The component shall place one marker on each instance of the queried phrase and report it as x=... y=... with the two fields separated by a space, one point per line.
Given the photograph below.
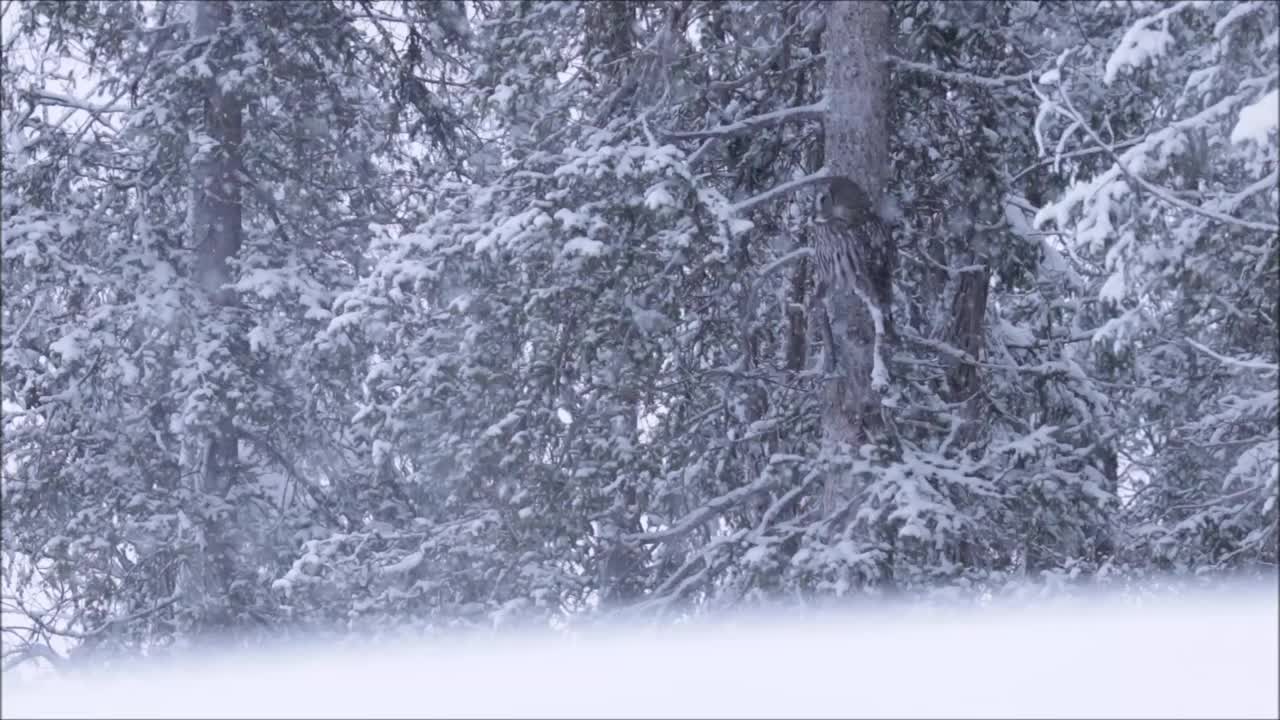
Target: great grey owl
x=853 y=247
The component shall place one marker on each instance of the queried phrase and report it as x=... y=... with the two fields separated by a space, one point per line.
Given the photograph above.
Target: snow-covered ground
x=1196 y=656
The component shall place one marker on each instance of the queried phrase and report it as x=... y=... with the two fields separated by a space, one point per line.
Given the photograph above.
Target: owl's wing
x=880 y=260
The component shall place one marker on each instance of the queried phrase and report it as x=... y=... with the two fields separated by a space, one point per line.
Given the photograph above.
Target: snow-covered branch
x=996 y=83
x=44 y=97
x=765 y=67
x=17 y=656
x=708 y=510
x=755 y=122
x=704 y=513
x=1233 y=362
x=1082 y=152
x=787 y=259
x=1156 y=191
x=1233 y=201
x=787 y=187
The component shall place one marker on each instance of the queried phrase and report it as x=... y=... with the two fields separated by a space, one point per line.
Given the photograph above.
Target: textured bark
x=216 y=228
x=857 y=126
x=966 y=329
x=968 y=311
x=800 y=317
x=216 y=212
x=856 y=146
x=797 y=331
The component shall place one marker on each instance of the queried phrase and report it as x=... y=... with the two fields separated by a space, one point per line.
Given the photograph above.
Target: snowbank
x=1199 y=656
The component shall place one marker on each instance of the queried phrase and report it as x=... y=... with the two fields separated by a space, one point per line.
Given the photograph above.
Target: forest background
x=352 y=315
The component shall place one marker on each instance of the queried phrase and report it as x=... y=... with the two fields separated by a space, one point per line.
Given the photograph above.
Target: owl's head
x=842 y=200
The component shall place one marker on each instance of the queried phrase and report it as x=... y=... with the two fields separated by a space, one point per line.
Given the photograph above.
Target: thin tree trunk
x=968 y=314
x=799 y=318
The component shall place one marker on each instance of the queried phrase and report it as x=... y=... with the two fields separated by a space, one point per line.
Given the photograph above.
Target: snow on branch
x=1243 y=364
x=1236 y=14
x=995 y=83
x=18 y=655
x=1143 y=43
x=1267 y=183
x=1060 y=156
x=743 y=206
x=787 y=259
x=44 y=97
x=755 y=122
x=1163 y=194
x=697 y=517
x=1257 y=121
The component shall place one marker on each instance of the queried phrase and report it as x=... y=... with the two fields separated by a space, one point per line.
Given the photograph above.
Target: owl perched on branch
x=854 y=249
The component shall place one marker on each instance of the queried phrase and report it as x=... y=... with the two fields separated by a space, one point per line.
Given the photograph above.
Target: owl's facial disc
x=824 y=207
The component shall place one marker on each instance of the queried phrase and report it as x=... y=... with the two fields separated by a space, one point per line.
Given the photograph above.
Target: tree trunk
x=800 y=321
x=856 y=144
x=857 y=124
x=610 y=29
x=216 y=220
x=968 y=322
x=216 y=210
